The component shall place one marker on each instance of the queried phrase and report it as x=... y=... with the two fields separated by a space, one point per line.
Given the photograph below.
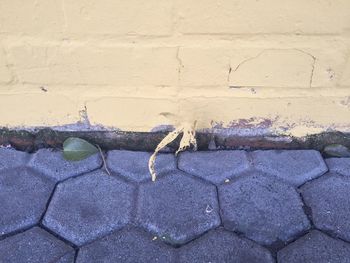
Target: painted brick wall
x=135 y=65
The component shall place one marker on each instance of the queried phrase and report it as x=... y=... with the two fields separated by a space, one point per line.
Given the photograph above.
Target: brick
x=222 y=246
x=315 y=247
x=35 y=246
x=23 y=195
x=328 y=199
x=88 y=207
x=53 y=165
x=216 y=166
x=204 y=66
x=177 y=208
x=10 y=158
x=102 y=65
x=48 y=110
x=304 y=64
x=128 y=245
x=5 y=74
x=345 y=78
x=134 y=165
x=263 y=209
x=119 y=17
x=129 y=113
x=263 y=17
x=293 y=166
x=339 y=165
x=31 y=17
x=297 y=69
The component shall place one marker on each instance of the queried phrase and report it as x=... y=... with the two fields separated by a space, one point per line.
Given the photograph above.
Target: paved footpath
x=220 y=206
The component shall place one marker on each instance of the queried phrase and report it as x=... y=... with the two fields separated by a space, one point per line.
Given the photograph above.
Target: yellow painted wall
x=135 y=65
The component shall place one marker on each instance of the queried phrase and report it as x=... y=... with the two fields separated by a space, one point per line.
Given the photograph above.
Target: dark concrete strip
x=30 y=140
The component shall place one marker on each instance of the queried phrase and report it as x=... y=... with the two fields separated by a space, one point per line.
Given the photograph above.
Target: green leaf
x=76 y=149
x=337 y=150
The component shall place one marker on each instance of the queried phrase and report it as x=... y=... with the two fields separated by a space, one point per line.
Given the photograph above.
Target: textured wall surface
x=135 y=65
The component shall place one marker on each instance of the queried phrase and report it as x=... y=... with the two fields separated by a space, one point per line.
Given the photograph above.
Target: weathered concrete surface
x=10 y=158
x=129 y=246
x=339 y=165
x=295 y=167
x=134 y=165
x=214 y=166
x=23 y=194
x=328 y=200
x=181 y=217
x=315 y=247
x=223 y=246
x=263 y=209
x=177 y=208
x=35 y=246
x=88 y=207
x=53 y=165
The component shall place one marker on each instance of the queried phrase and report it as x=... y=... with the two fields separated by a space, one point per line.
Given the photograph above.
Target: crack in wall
x=228 y=75
x=265 y=50
x=180 y=63
x=312 y=67
x=248 y=59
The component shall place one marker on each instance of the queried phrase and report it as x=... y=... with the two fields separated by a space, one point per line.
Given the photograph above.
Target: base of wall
x=33 y=139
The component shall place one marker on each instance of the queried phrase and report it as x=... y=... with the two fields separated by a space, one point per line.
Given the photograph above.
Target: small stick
x=103 y=160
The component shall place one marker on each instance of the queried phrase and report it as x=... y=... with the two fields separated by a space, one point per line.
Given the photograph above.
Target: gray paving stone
x=177 y=207
x=263 y=209
x=214 y=166
x=134 y=165
x=127 y=246
x=294 y=166
x=35 y=246
x=23 y=198
x=10 y=158
x=339 y=165
x=220 y=246
x=315 y=247
x=328 y=198
x=89 y=206
x=52 y=164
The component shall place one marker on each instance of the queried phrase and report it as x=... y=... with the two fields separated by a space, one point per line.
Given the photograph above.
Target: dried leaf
x=188 y=139
x=167 y=139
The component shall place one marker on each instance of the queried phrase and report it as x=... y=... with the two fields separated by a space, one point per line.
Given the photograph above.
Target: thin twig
x=103 y=160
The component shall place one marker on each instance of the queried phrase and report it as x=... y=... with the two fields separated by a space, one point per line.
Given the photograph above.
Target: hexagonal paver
x=328 y=198
x=127 y=245
x=215 y=166
x=134 y=165
x=263 y=209
x=89 y=206
x=315 y=247
x=23 y=196
x=35 y=246
x=177 y=207
x=339 y=165
x=10 y=158
x=53 y=165
x=220 y=246
x=294 y=166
